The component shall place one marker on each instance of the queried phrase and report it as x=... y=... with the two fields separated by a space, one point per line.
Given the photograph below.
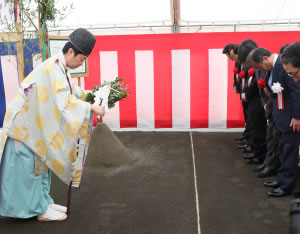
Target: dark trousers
x=272 y=156
x=258 y=130
x=246 y=132
x=288 y=154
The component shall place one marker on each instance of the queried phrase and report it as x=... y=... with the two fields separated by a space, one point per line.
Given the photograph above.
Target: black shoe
x=243 y=146
x=259 y=168
x=254 y=161
x=278 y=193
x=248 y=156
x=247 y=150
x=271 y=184
x=240 y=138
x=242 y=141
x=267 y=172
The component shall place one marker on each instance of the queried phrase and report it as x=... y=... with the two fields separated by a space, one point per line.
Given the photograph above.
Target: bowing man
x=286 y=115
x=255 y=112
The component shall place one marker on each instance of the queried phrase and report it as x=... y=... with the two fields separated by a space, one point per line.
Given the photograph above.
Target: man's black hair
x=245 y=48
x=236 y=48
x=291 y=54
x=249 y=43
x=257 y=55
x=69 y=45
x=282 y=48
x=227 y=48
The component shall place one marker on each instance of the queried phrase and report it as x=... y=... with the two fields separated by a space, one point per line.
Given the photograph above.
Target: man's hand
x=265 y=107
x=243 y=96
x=99 y=110
x=295 y=124
x=234 y=89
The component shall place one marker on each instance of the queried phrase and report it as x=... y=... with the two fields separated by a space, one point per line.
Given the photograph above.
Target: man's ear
x=71 y=52
x=265 y=58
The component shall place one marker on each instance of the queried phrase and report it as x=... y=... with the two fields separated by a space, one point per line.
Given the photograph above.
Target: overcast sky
x=96 y=12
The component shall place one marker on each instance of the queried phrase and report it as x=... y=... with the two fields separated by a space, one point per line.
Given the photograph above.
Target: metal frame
x=175 y=15
x=176 y=28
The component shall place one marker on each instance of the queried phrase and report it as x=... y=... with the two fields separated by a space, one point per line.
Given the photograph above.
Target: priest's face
x=73 y=60
x=293 y=72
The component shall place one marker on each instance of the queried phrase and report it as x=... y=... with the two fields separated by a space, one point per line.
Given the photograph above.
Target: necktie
x=270 y=79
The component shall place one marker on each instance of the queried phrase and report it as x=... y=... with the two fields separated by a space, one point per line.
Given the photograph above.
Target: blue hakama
x=22 y=194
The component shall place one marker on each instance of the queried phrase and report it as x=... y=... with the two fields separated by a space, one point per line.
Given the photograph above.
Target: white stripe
x=36 y=60
x=109 y=72
x=10 y=77
x=218 y=70
x=144 y=89
x=80 y=82
x=181 y=88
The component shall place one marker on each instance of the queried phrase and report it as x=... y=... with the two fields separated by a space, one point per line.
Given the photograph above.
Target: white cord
x=195 y=184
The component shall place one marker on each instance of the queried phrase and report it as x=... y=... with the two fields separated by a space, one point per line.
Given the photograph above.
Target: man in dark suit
x=286 y=116
x=230 y=50
x=237 y=68
x=271 y=163
x=291 y=64
x=256 y=120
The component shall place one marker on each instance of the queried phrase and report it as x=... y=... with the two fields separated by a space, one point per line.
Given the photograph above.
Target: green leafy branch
x=117 y=92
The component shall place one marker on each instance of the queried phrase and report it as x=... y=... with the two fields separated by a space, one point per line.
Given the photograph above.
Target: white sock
x=59 y=208
x=51 y=215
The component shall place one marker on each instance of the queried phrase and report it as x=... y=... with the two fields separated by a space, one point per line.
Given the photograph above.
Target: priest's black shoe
x=254 y=161
x=278 y=193
x=259 y=168
x=271 y=184
x=267 y=172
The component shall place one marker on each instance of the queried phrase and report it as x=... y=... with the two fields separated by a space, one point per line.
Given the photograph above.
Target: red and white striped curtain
x=178 y=81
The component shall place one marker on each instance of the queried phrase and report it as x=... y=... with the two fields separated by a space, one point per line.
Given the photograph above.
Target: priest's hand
x=99 y=110
x=295 y=124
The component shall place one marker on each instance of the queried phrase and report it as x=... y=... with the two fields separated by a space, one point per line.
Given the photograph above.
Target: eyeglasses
x=293 y=75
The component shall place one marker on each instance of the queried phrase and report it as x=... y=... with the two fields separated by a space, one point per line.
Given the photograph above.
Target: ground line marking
x=195 y=184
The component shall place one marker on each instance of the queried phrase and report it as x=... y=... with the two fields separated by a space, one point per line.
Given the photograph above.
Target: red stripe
x=16 y=10
x=162 y=88
x=94 y=71
x=199 y=88
x=234 y=106
x=126 y=70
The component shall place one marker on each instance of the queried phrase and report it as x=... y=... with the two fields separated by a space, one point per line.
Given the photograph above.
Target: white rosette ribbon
x=276 y=88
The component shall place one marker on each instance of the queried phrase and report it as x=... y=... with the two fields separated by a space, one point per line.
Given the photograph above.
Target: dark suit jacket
x=236 y=79
x=291 y=97
x=266 y=98
x=252 y=94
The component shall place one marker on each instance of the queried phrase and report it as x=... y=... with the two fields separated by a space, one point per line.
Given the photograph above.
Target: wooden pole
x=40 y=34
x=20 y=50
